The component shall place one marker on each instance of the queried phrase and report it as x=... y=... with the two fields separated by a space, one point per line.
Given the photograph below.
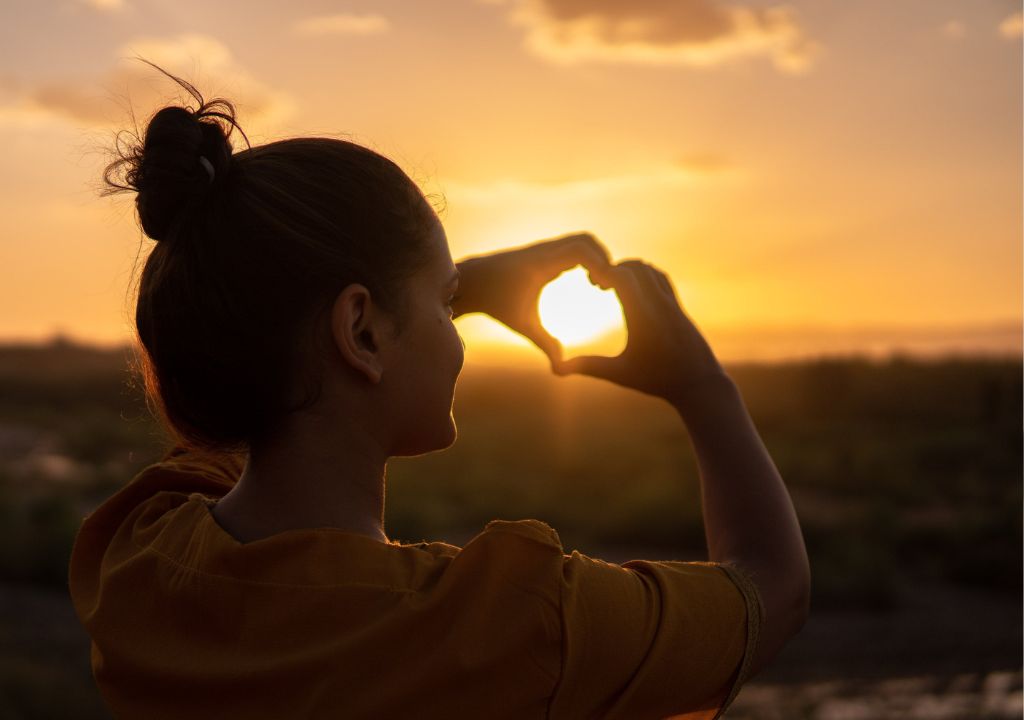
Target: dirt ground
x=947 y=653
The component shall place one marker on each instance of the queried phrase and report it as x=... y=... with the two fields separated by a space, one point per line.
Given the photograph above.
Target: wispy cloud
x=705 y=163
x=105 y=6
x=94 y=101
x=188 y=54
x=954 y=29
x=699 y=33
x=688 y=171
x=1012 y=26
x=342 y=24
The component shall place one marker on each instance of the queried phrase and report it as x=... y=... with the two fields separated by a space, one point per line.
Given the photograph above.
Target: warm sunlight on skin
x=579 y=313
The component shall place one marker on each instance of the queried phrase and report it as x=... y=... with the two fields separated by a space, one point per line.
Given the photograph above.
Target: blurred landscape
x=906 y=475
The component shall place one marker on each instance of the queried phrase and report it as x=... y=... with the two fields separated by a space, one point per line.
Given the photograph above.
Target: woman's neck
x=305 y=481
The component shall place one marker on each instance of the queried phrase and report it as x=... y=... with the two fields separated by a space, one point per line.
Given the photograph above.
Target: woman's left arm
x=506 y=285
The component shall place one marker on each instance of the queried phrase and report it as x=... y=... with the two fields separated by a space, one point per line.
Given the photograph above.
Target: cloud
x=1012 y=26
x=74 y=101
x=343 y=24
x=698 y=33
x=19 y=111
x=954 y=29
x=705 y=163
x=22 y=114
x=105 y=6
x=93 y=101
x=187 y=55
x=687 y=172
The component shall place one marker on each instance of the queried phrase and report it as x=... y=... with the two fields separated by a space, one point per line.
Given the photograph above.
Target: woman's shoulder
x=222 y=466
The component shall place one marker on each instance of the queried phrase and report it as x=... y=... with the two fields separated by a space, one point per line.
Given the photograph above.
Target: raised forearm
x=749 y=517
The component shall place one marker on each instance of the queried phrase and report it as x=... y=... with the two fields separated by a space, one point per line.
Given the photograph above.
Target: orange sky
x=819 y=177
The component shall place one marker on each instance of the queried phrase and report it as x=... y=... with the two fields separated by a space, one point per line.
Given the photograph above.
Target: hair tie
x=208 y=165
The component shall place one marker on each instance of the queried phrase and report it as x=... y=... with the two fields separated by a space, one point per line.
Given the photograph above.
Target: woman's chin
x=449 y=433
x=443 y=439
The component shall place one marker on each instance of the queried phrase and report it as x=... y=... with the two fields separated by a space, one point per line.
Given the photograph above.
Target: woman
x=295 y=318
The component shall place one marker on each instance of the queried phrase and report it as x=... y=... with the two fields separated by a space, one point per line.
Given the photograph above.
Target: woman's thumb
x=593 y=365
x=546 y=342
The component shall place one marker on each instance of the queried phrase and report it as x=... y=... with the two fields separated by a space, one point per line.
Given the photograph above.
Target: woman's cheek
x=460 y=348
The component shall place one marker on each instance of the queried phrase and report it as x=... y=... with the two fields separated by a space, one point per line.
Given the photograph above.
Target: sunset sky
x=817 y=176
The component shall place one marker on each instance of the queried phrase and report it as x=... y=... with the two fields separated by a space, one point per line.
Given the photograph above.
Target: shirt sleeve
x=653 y=639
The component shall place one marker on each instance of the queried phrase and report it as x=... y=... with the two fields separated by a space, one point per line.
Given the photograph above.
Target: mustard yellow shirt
x=186 y=622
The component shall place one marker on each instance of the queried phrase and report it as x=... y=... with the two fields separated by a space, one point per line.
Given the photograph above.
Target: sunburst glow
x=581 y=314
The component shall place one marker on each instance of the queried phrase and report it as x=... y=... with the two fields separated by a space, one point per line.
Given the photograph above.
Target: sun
x=580 y=314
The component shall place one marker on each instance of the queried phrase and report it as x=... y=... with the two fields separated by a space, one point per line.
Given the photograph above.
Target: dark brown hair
x=232 y=314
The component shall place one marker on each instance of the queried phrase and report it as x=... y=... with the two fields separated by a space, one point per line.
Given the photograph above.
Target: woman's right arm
x=749 y=518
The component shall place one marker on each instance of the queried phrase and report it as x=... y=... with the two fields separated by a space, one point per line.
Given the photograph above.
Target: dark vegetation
x=906 y=475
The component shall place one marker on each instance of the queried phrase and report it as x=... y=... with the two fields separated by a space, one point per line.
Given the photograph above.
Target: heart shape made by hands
x=585 y=319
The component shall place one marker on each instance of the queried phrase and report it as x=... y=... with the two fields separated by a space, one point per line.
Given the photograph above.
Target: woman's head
x=262 y=256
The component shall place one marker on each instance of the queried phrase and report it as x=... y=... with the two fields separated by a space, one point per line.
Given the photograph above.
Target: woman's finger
x=606 y=368
x=540 y=337
x=624 y=281
x=571 y=250
x=665 y=286
x=655 y=285
x=663 y=280
x=632 y=283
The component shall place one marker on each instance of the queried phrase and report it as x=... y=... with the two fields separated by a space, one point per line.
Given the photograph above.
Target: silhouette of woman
x=295 y=324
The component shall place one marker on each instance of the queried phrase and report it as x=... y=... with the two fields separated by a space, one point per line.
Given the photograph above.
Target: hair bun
x=170 y=178
x=164 y=167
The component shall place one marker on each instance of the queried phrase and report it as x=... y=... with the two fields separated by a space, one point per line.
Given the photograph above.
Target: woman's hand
x=506 y=285
x=665 y=355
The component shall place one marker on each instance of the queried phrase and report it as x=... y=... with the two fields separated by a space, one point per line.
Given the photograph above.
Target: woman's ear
x=355 y=325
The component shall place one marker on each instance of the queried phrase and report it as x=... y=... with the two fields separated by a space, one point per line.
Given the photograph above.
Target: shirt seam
x=562 y=650
x=755 y=617
x=247 y=581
